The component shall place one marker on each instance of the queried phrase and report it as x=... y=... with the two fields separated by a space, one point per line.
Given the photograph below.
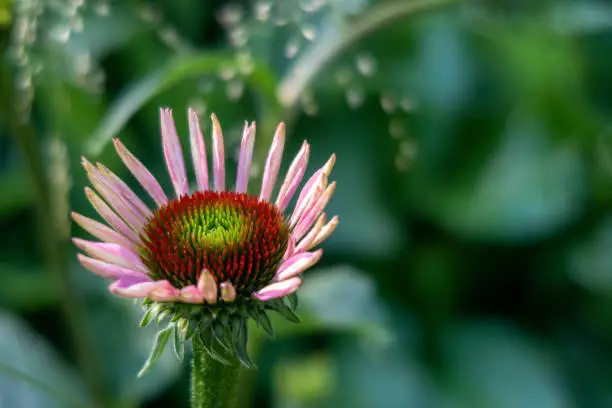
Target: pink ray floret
x=118 y=255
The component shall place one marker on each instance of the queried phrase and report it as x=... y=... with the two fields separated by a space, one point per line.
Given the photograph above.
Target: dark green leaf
x=158 y=348
x=33 y=373
x=219 y=333
x=146 y=318
x=208 y=343
x=241 y=345
x=178 y=344
x=262 y=319
x=286 y=312
x=292 y=301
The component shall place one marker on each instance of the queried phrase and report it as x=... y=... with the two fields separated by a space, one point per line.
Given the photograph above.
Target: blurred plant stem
x=334 y=43
x=53 y=237
x=213 y=384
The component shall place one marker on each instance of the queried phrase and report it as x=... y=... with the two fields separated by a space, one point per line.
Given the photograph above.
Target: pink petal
x=298 y=264
x=173 y=153
x=325 y=232
x=142 y=174
x=124 y=191
x=160 y=291
x=208 y=286
x=326 y=169
x=198 y=151
x=110 y=271
x=218 y=155
x=293 y=178
x=305 y=243
x=273 y=163
x=127 y=282
x=111 y=253
x=191 y=294
x=163 y=291
x=308 y=196
x=312 y=213
x=329 y=165
x=110 y=192
x=101 y=231
x=318 y=178
x=246 y=155
x=290 y=248
x=110 y=217
x=278 y=289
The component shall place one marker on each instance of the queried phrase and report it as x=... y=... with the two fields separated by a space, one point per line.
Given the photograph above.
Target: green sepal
x=146 y=318
x=241 y=345
x=178 y=344
x=234 y=327
x=219 y=334
x=261 y=318
x=208 y=343
x=158 y=348
x=206 y=322
x=162 y=315
x=280 y=307
x=292 y=301
x=187 y=328
x=222 y=329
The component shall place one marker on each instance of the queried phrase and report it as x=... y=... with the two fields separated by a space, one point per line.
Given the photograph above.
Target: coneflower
x=208 y=258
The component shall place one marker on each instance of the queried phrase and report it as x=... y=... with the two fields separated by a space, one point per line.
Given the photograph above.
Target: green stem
x=213 y=384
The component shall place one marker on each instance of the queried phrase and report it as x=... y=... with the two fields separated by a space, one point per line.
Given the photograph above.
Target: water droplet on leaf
x=366 y=64
x=235 y=89
x=387 y=103
x=309 y=32
x=355 y=97
x=292 y=48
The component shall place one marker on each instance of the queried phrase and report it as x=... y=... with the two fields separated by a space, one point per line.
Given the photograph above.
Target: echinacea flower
x=210 y=257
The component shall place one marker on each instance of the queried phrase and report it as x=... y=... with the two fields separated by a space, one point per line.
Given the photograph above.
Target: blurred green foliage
x=472 y=265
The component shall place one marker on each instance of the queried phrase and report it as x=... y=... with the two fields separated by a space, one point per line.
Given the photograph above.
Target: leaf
x=492 y=364
x=32 y=374
x=342 y=298
x=178 y=344
x=178 y=69
x=158 y=348
x=346 y=376
x=543 y=187
x=590 y=259
x=338 y=299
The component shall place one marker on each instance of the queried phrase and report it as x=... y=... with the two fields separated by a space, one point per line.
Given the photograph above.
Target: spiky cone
x=208 y=259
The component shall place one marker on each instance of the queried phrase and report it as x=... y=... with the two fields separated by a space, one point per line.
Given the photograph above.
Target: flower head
x=209 y=257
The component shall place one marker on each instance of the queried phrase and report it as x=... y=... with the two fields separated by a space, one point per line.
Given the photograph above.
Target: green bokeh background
x=472 y=265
